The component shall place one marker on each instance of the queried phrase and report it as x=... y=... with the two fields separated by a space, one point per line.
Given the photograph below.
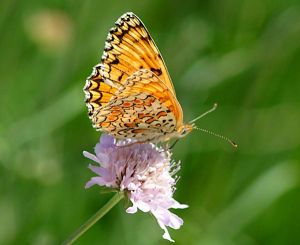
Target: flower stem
x=91 y=221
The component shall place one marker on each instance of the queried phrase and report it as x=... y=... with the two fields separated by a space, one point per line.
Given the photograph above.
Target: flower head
x=144 y=172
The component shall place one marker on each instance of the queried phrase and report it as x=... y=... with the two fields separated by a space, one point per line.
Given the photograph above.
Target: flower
x=144 y=172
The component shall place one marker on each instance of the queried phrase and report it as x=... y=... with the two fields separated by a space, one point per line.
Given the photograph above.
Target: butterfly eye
x=184 y=131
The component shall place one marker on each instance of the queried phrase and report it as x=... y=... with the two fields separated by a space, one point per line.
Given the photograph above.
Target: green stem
x=91 y=221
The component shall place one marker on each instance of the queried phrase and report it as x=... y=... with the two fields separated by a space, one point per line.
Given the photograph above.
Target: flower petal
x=103 y=172
x=132 y=209
x=90 y=156
x=107 y=141
x=95 y=181
x=166 y=234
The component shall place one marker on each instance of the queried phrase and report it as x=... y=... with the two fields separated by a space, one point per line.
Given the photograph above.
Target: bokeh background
x=245 y=55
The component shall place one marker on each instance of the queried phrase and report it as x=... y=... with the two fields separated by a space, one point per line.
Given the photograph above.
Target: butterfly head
x=184 y=130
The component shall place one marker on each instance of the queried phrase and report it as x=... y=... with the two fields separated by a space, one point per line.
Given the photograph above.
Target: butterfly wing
x=143 y=109
x=97 y=92
x=129 y=48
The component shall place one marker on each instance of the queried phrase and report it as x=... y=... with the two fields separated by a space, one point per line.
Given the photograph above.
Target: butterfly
x=130 y=94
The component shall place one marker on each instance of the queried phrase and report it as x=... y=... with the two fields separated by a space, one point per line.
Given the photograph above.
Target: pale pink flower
x=142 y=171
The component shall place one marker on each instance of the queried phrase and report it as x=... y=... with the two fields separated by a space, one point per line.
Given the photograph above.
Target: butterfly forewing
x=129 y=48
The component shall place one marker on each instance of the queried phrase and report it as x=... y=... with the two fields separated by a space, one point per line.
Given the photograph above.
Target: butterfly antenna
x=205 y=113
x=218 y=135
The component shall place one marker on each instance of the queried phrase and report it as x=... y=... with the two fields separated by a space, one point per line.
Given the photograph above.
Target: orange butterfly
x=130 y=94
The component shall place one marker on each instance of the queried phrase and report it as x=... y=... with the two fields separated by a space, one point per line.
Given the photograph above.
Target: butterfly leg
x=130 y=144
x=175 y=142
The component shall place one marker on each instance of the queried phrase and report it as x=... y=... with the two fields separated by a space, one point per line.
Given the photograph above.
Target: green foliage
x=242 y=54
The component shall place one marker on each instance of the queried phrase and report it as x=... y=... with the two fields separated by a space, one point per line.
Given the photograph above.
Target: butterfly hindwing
x=148 y=82
x=97 y=92
x=144 y=109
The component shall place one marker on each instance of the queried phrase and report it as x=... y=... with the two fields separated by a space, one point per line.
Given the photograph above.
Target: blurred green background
x=245 y=55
